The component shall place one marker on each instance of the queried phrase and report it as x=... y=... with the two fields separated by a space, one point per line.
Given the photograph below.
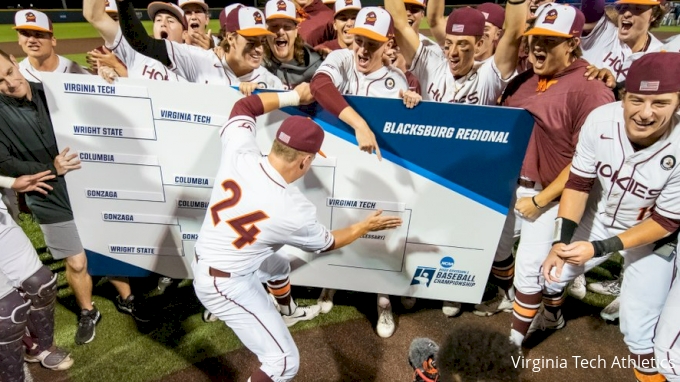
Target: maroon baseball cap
x=301 y=134
x=493 y=13
x=465 y=22
x=654 y=73
x=225 y=11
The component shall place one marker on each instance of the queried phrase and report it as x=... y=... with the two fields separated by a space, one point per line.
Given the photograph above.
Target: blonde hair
x=286 y=153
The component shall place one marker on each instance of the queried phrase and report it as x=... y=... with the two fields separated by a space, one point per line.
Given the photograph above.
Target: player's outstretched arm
x=507 y=52
x=262 y=103
x=329 y=97
x=437 y=20
x=94 y=12
x=407 y=39
x=374 y=222
x=593 y=10
x=136 y=35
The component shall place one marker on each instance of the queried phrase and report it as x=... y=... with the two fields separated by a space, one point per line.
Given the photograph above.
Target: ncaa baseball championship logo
x=445 y=274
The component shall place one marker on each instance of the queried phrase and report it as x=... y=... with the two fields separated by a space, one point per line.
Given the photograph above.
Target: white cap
x=33 y=20
x=374 y=23
x=558 y=20
x=280 y=9
x=247 y=21
x=202 y=3
x=343 y=5
x=111 y=6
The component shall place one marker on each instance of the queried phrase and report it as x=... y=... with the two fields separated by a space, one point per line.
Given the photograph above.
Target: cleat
x=386 y=325
x=450 y=308
x=611 y=311
x=325 y=301
x=498 y=304
x=607 y=288
x=54 y=358
x=302 y=313
x=86 y=325
x=577 y=288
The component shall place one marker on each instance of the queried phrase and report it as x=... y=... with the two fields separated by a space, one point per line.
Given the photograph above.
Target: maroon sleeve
x=250 y=106
x=413 y=83
x=579 y=183
x=669 y=225
x=327 y=95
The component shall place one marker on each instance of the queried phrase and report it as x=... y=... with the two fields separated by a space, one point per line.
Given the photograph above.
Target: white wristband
x=6 y=182
x=291 y=98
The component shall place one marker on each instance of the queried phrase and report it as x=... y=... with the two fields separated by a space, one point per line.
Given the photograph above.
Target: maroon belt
x=215 y=272
x=526 y=183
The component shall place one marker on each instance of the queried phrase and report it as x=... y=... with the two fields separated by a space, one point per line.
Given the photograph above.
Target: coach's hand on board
x=305 y=93
x=526 y=209
x=577 y=253
x=604 y=75
x=35 y=182
x=411 y=98
x=376 y=222
x=366 y=141
x=65 y=162
x=553 y=264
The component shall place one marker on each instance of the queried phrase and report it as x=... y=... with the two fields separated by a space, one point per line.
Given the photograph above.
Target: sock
x=383 y=301
x=523 y=312
x=281 y=291
x=553 y=305
x=503 y=273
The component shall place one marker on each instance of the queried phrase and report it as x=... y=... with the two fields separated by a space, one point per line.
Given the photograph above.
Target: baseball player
x=616 y=45
x=254 y=211
x=37 y=40
x=168 y=24
x=241 y=51
x=343 y=20
x=197 y=18
x=28 y=292
x=457 y=78
x=557 y=75
x=627 y=155
x=362 y=71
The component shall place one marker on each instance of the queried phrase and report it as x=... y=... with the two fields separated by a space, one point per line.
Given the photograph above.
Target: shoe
x=302 y=313
x=276 y=303
x=408 y=302
x=86 y=325
x=450 y=308
x=132 y=308
x=500 y=303
x=164 y=283
x=543 y=323
x=577 y=288
x=386 y=326
x=611 y=311
x=209 y=317
x=54 y=358
x=607 y=288
x=325 y=301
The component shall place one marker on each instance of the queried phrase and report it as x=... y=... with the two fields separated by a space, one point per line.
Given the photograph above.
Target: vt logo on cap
x=30 y=17
x=281 y=5
x=371 y=18
x=257 y=17
x=550 y=17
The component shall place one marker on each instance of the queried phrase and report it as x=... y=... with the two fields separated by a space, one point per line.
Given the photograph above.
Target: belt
x=215 y=272
x=526 y=183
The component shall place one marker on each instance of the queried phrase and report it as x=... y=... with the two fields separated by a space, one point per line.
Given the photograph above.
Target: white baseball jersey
x=253 y=211
x=603 y=49
x=65 y=66
x=634 y=182
x=384 y=82
x=139 y=65
x=204 y=67
x=481 y=86
x=672 y=44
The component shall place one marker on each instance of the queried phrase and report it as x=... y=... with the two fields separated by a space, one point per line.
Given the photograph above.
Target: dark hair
x=658 y=12
x=473 y=353
x=298 y=50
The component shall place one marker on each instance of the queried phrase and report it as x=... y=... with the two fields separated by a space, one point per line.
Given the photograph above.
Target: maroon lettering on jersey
x=616 y=64
x=154 y=74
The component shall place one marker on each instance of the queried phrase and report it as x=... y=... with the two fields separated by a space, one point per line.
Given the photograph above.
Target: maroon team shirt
x=316 y=26
x=332 y=45
x=559 y=106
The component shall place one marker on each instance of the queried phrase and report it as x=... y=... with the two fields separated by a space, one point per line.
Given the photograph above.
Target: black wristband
x=605 y=247
x=533 y=200
x=564 y=230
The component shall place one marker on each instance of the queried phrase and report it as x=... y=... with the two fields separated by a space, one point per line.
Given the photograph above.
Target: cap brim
x=283 y=17
x=203 y=5
x=322 y=154
x=414 y=2
x=32 y=28
x=254 y=32
x=545 y=32
x=111 y=11
x=639 y=2
x=158 y=6
x=350 y=8
x=368 y=33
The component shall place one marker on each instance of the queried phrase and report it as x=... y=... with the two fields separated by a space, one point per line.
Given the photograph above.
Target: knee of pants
x=77 y=263
x=13 y=317
x=528 y=279
x=289 y=363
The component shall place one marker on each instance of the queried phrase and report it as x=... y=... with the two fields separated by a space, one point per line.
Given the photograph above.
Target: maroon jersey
x=316 y=26
x=332 y=45
x=559 y=106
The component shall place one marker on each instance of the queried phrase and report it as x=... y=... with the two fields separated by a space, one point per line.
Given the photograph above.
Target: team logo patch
x=371 y=18
x=30 y=17
x=281 y=5
x=457 y=28
x=283 y=137
x=261 y=85
x=389 y=83
x=649 y=86
x=668 y=162
x=257 y=17
x=349 y=2
x=550 y=17
x=423 y=276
